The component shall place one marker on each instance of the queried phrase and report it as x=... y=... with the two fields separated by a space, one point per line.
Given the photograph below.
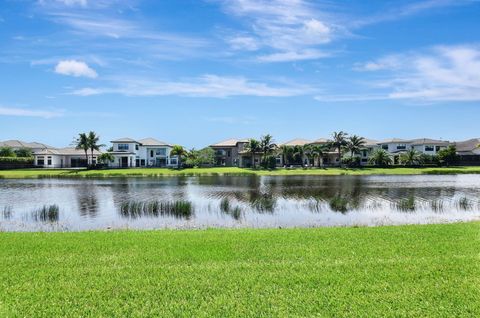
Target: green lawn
x=405 y=271
x=139 y=172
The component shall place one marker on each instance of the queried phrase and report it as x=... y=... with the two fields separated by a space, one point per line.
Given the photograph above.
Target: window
x=385 y=147
x=122 y=147
x=229 y=153
x=401 y=146
x=40 y=161
x=142 y=162
x=364 y=153
x=151 y=153
x=161 y=152
x=429 y=148
x=49 y=161
x=437 y=148
x=278 y=160
x=173 y=161
x=136 y=147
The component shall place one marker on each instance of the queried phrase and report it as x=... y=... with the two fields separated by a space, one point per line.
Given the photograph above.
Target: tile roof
x=423 y=141
x=297 y=142
x=125 y=139
x=229 y=143
x=68 y=151
x=23 y=144
x=153 y=142
x=467 y=145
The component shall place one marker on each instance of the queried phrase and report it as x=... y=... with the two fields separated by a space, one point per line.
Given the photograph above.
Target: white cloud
x=243 y=43
x=442 y=73
x=206 y=86
x=22 y=112
x=288 y=27
x=75 y=68
x=309 y=54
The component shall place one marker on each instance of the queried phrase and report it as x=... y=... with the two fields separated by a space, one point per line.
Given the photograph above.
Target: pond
x=242 y=201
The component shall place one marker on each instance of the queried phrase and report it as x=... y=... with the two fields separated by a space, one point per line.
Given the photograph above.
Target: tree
x=355 y=144
x=253 y=147
x=318 y=152
x=106 y=158
x=285 y=152
x=339 y=142
x=309 y=153
x=93 y=145
x=267 y=146
x=82 y=143
x=411 y=157
x=178 y=151
x=24 y=152
x=448 y=155
x=7 y=152
x=380 y=157
x=298 y=153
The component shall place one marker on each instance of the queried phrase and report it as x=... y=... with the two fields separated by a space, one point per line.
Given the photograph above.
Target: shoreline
x=229 y=171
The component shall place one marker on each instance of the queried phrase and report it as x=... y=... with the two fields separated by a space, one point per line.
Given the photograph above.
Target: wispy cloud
x=442 y=73
x=24 y=112
x=403 y=11
x=205 y=86
x=75 y=68
x=289 y=28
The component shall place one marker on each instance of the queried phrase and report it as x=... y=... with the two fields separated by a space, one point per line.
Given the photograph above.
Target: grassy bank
x=406 y=271
x=154 y=172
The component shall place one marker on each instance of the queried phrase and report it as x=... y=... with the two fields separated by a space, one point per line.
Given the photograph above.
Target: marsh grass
x=339 y=204
x=227 y=208
x=406 y=205
x=464 y=204
x=7 y=212
x=47 y=213
x=136 y=209
x=437 y=205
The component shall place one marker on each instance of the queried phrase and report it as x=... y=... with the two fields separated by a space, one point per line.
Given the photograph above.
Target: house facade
x=64 y=158
x=395 y=147
x=148 y=152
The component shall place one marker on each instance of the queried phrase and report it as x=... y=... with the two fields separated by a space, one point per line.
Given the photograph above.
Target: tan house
x=230 y=152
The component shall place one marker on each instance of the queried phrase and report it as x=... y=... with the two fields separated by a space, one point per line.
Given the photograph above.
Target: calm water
x=198 y=202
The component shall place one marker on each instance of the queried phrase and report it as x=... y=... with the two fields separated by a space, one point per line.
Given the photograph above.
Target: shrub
x=24 y=160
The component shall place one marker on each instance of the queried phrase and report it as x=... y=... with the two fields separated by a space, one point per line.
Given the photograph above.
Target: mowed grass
x=159 y=172
x=405 y=271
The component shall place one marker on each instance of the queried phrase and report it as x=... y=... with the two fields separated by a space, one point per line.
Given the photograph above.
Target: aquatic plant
x=7 y=212
x=464 y=203
x=407 y=204
x=436 y=205
x=47 y=213
x=225 y=205
x=136 y=209
x=339 y=204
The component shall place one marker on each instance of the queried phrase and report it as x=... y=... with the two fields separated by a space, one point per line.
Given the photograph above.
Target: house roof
x=153 y=142
x=423 y=141
x=393 y=140
x=68 y=151
x=229 y=143
x=23 y=144
x=320 y=141
x=297 y=142
x=467 y=146
x=125 y=139
x=370 y=142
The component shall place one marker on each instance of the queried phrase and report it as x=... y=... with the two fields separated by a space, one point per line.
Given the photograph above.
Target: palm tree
x=411 y=157
x=355 y=144
x=106 y=158
x=93 y=145
x=253 y=147
x=267 y=145
x=339 y=142
x=178 y=151
x=309 y=151
x=298 y=153
x=380 y=157
x=285 y=151
x=83 y=143
x=319 y=151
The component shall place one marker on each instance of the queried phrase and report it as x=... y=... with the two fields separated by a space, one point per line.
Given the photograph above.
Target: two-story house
x=228 y=153
x=148 y=152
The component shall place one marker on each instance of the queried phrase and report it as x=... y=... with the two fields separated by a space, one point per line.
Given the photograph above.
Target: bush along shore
x=402 y=271
x=232 y=171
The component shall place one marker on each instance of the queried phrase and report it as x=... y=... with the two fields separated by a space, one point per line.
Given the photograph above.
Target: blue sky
x=194 y=72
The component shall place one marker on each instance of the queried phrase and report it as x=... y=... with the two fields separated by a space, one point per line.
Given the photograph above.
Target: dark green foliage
x=7 y=152
x=339 y=204
x=46 y=213
x=448 y=156
x=136 y=209
x=24 y=153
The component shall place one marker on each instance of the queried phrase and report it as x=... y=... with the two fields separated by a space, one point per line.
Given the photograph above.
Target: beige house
x=64 y=158
x=231 y=153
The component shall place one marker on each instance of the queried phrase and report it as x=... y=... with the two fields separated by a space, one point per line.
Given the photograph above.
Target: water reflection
x=251 y=201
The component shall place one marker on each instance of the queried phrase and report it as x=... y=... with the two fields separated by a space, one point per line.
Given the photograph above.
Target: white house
x=147 y=152
x=64 y=158
x=19 y=144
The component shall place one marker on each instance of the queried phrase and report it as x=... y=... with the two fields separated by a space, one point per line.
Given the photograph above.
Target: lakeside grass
x=232 y=171
x=403 y=271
